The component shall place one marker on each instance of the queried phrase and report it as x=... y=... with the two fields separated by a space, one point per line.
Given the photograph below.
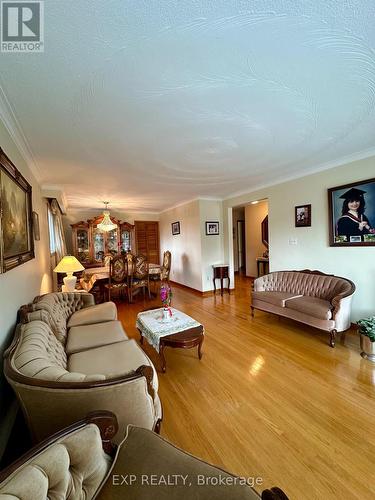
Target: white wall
x=313 y=250
x=75 y=215
x=254 y=215
x=193 y=252
x=185 y=247
x=21 y=284
x=212 y=246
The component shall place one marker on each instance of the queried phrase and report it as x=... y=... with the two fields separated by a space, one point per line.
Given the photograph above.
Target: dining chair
x=138 y=276
x=166 y=267
x=118 y=276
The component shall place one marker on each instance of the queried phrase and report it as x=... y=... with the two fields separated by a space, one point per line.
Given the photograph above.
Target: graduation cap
x=353 y=194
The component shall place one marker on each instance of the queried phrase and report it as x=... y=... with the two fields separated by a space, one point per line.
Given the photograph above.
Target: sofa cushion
x=144 y=454
x=93 y=314
x=71 y=468
x=40 y=355
x=111 y=360
x=311 y=306
x=275 y=298
x=60 y=306
x=81 y=338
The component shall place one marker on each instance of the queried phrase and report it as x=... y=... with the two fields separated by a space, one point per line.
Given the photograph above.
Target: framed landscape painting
x=16 y=241
x=352 y=214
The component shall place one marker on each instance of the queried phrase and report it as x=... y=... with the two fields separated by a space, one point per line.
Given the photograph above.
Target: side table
x=221 y=272
x=264 y=262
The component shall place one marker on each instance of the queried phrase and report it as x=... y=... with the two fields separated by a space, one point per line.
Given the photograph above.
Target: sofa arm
x=259 y=284
x=51 y=407
x=342 y=311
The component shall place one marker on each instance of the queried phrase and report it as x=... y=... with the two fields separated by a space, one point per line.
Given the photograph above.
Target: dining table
x=93 y=274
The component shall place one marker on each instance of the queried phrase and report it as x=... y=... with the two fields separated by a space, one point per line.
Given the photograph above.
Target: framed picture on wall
x=176 y=228
x=303 y=216
x=212 y=228
x=352 y=214
x=16 y=241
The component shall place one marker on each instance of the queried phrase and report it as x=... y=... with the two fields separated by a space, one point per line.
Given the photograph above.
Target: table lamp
x=69 y=264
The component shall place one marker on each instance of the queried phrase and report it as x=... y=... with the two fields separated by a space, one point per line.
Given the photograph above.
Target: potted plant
x=367 y=332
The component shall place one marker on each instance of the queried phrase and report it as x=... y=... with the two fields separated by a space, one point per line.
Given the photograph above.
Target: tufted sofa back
x=72 y=468
x=39 y=354
x=59 y=307
x=315 y=285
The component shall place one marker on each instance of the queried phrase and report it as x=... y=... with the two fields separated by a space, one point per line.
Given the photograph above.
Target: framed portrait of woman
x=352 y=214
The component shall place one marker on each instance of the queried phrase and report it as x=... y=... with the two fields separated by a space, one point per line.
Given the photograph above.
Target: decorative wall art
x=352 y=214
x=303 y=216
x=175 y=228
x=16 y=242
x=212 y=228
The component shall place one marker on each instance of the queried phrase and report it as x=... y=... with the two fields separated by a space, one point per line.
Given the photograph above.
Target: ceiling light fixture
x=106 y=224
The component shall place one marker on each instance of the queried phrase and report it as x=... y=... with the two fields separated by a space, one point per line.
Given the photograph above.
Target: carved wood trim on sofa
x=142 y=371
x=105 y=420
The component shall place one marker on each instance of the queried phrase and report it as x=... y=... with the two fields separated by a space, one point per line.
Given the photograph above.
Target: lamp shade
x=68 y=264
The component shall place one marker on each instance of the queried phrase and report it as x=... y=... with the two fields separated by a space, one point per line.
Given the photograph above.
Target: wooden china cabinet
x=90 y=245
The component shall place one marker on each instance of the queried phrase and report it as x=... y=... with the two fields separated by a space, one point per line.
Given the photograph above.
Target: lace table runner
x=152 y=325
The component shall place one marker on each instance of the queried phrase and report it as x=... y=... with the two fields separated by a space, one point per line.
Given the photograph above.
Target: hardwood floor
x=269 y=398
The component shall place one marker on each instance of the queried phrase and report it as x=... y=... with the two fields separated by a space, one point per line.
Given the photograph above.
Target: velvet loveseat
x=81 y=462
x=70 y=357
x=311 y=297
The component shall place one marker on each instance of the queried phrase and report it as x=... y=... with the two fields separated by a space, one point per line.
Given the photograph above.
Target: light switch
x=293 y=241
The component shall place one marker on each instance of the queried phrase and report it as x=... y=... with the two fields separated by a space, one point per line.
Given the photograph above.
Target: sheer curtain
x=58 y=231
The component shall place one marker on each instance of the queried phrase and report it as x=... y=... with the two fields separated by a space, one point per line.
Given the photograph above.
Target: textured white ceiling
x=150 y=103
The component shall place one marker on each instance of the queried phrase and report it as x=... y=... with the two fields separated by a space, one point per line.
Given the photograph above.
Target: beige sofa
x=70 y=357
x=311 y=297
x=80 y=462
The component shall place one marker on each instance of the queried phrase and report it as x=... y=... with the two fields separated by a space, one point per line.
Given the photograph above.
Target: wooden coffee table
x=186 y=339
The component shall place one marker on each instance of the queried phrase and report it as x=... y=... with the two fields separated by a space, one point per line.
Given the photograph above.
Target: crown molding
x=197 y=198
x=344 y=160
x=57 y=192
x=9 y=119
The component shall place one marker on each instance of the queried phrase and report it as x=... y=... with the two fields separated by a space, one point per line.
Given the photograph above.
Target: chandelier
x=106 y=224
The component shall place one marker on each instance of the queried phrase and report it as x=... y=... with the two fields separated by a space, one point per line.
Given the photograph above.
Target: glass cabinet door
x=112 y=241
x=125 y=241
x=99 y=245
x=83 y=250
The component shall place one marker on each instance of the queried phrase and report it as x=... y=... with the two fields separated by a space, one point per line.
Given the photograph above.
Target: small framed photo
x=36 y=231
x=352 y=214
x=176 y=228
x=212 y=228
x=303 y=216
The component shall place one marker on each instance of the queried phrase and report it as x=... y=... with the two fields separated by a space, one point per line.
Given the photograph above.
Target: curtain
x=58 y=231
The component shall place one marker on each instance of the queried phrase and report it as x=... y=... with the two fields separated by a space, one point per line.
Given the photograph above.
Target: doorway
x=241 y=246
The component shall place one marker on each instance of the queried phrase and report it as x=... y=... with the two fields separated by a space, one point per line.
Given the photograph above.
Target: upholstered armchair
x=81 y=462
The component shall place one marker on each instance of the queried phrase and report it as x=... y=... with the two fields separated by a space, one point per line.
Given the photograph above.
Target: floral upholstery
x=166 y=267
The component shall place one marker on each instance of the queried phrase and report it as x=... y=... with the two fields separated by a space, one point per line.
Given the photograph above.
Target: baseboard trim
x=185 y=287
x=208 y=293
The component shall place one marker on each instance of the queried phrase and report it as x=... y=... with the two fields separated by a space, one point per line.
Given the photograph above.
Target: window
x=51 y=229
